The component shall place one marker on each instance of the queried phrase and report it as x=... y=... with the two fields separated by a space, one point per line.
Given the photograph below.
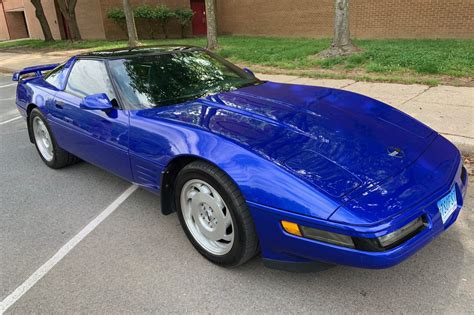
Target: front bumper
x=280 y=248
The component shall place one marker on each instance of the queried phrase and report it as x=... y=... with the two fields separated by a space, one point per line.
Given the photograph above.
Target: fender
x=162 y=147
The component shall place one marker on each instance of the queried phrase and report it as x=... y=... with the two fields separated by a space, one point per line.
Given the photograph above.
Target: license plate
x=447 y=205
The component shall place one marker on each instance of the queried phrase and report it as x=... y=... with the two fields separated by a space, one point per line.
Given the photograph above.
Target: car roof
x=124 y=52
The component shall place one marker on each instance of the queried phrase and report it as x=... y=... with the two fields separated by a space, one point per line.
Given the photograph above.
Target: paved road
x=139 y=261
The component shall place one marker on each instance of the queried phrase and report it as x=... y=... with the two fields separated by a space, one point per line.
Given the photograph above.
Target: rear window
x=56 y=76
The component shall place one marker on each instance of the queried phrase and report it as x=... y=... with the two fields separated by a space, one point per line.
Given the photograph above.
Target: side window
x=89 y=77
x=55 y=76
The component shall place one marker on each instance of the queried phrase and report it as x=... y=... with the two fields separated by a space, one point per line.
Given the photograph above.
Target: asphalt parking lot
x=138 y=260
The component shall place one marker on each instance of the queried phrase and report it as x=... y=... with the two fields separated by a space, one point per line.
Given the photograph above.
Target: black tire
x=245 y=245
x=61 y=158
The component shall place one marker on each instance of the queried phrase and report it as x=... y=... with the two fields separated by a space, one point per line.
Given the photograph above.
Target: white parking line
x=10 y=84
x=7 y=99
x=10 y=120
x=63 y=251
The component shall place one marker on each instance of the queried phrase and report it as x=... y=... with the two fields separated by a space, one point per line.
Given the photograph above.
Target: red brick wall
x=413 y=18
x=304 y=18
x=88 y=17
x=51 y=14
x=369 y=18
x=308 y=18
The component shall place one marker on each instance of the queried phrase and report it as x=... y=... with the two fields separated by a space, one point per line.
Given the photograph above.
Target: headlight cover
x=318 y=235
x=400 y=234
x=378 y=244
x=327 y=237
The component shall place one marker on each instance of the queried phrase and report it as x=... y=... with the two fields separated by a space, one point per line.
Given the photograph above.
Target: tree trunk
x=341 y=44
x=211 y=25
x=68 y=10
x=42 y=20
x=73 y=27
x=151 y=28
x=131 y=27
x=164 y=30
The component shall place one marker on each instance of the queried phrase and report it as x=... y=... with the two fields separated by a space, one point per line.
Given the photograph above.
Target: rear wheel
x=51 y=154
x=214 y=215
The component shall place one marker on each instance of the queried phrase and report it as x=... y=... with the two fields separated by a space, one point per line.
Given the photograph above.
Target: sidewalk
x=14 y=61
x=447 y=109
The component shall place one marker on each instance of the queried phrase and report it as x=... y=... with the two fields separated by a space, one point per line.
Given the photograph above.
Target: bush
x=184 y=17
x=163 y=14
x=146 y=13
x=116 y=14
x=152 y=15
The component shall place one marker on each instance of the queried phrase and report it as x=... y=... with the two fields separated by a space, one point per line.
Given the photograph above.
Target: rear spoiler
x=37 y=70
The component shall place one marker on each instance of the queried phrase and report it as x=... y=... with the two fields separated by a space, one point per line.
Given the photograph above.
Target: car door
x=96 y=136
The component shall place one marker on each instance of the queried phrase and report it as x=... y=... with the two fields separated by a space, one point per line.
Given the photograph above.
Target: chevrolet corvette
x=306 y=176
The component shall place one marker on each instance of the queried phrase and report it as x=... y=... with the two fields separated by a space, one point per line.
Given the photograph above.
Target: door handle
x=59 y=104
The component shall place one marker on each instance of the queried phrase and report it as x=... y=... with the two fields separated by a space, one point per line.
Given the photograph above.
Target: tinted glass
x=175 y=77
x=55 y=76
x=89 y=77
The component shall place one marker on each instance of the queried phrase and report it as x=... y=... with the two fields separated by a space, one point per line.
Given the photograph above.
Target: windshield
x=166 y=79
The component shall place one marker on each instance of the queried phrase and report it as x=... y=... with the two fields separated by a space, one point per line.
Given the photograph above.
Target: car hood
x=338 y=141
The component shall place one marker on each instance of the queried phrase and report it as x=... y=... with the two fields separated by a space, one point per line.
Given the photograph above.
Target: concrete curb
x=466 y=149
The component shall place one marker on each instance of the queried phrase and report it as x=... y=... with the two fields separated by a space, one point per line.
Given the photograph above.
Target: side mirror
x=98 y=101
x=249 y=71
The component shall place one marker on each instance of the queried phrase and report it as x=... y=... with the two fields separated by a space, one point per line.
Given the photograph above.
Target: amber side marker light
x=291 y=228
x=318 y=235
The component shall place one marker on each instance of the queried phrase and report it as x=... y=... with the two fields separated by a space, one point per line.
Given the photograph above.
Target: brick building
x=303 y=18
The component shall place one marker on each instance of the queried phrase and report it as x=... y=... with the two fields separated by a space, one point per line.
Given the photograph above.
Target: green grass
x=396 y=58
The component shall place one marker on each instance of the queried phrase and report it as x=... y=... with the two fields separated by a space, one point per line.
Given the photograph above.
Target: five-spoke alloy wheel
x=51 y=154
x=207 y=217
x=42 y=138
x=214 y=214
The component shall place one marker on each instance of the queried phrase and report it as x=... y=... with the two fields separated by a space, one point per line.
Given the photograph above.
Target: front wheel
x=214 y=215
x=51 y=154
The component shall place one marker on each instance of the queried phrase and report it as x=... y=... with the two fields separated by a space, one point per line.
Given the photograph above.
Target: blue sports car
x=307 y=176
